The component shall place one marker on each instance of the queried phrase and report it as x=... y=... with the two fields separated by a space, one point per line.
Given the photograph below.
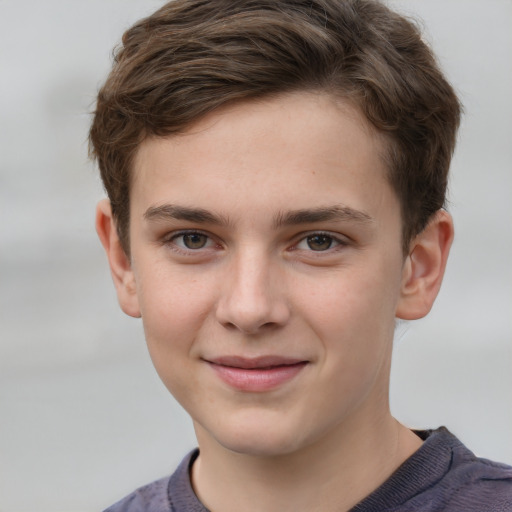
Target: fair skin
x=267 y=266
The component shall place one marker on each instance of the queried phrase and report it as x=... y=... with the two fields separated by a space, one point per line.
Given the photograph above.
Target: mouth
x=256 y=374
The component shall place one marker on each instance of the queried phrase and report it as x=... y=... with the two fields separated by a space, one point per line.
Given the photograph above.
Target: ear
x=424 y=267
x=120 y=266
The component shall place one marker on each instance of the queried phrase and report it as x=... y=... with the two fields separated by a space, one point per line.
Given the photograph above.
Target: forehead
x=300 y=147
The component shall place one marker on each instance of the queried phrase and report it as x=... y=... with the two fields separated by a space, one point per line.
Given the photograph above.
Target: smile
x=256 y=375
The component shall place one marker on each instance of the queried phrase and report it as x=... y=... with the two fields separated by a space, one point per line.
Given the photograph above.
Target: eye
x=192 y=240
x=318 y=242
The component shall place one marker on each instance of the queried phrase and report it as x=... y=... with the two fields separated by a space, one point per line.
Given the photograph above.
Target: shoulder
x=443 y=476
x=170 y=494
x=470 y=483
x=154 y=497
x=476 y=482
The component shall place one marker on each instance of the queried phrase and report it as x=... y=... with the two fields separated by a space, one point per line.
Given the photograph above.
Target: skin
x=263 y=270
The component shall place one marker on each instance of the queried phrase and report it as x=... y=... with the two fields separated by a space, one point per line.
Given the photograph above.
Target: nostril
x=230 y=326
x=250 y=328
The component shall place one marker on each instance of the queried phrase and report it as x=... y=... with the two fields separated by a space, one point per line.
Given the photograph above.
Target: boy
x=276 y=173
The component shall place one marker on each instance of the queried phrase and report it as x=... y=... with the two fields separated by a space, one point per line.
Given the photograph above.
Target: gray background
x=83 y=417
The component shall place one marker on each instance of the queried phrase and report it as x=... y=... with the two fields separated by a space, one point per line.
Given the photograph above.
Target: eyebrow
x=171 y=211
x=322 y=214
x=289 y=218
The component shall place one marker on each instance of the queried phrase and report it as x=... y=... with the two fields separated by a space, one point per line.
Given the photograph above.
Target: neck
x=334 y=473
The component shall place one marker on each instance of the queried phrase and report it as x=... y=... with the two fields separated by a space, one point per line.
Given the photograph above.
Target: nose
x=253 y=297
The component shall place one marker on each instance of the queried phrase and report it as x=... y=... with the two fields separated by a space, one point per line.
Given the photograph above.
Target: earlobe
x=424 y=267
x=120 y=266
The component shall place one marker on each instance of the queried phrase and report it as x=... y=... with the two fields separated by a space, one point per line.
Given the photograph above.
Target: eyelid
x=169 y=239
x=340 y=240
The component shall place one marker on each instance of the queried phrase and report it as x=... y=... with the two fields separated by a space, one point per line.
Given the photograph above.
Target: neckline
x=420 y=471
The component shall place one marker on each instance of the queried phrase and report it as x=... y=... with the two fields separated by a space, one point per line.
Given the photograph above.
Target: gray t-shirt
x=442 y=476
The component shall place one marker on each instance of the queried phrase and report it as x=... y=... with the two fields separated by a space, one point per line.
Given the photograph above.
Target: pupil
x=194 y=241
x=319 y=242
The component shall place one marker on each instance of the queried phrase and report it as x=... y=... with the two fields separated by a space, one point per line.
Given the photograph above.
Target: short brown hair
x=193 y=56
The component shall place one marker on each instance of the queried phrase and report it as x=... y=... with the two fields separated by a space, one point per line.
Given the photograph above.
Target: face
x=266 y=262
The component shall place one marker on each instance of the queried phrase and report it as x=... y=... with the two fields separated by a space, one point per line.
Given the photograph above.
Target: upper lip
x=254 y=362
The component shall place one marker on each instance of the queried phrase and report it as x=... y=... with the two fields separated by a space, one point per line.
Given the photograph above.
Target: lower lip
x=257 y=379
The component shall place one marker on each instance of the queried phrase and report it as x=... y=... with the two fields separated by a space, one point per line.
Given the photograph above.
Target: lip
x=256 y=374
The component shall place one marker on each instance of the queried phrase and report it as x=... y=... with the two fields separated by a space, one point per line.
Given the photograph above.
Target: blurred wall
x=83 y=418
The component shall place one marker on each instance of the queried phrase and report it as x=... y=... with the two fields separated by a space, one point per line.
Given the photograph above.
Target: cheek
x=351 y=296
x=352 y=312
x=174 y=306
x=172 y=315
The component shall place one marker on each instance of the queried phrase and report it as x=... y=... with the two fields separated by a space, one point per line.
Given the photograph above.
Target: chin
x=262 y=439
x=260 y=445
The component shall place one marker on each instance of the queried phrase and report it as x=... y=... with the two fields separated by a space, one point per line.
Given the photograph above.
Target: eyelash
x=338 y=242
x=170 y=241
